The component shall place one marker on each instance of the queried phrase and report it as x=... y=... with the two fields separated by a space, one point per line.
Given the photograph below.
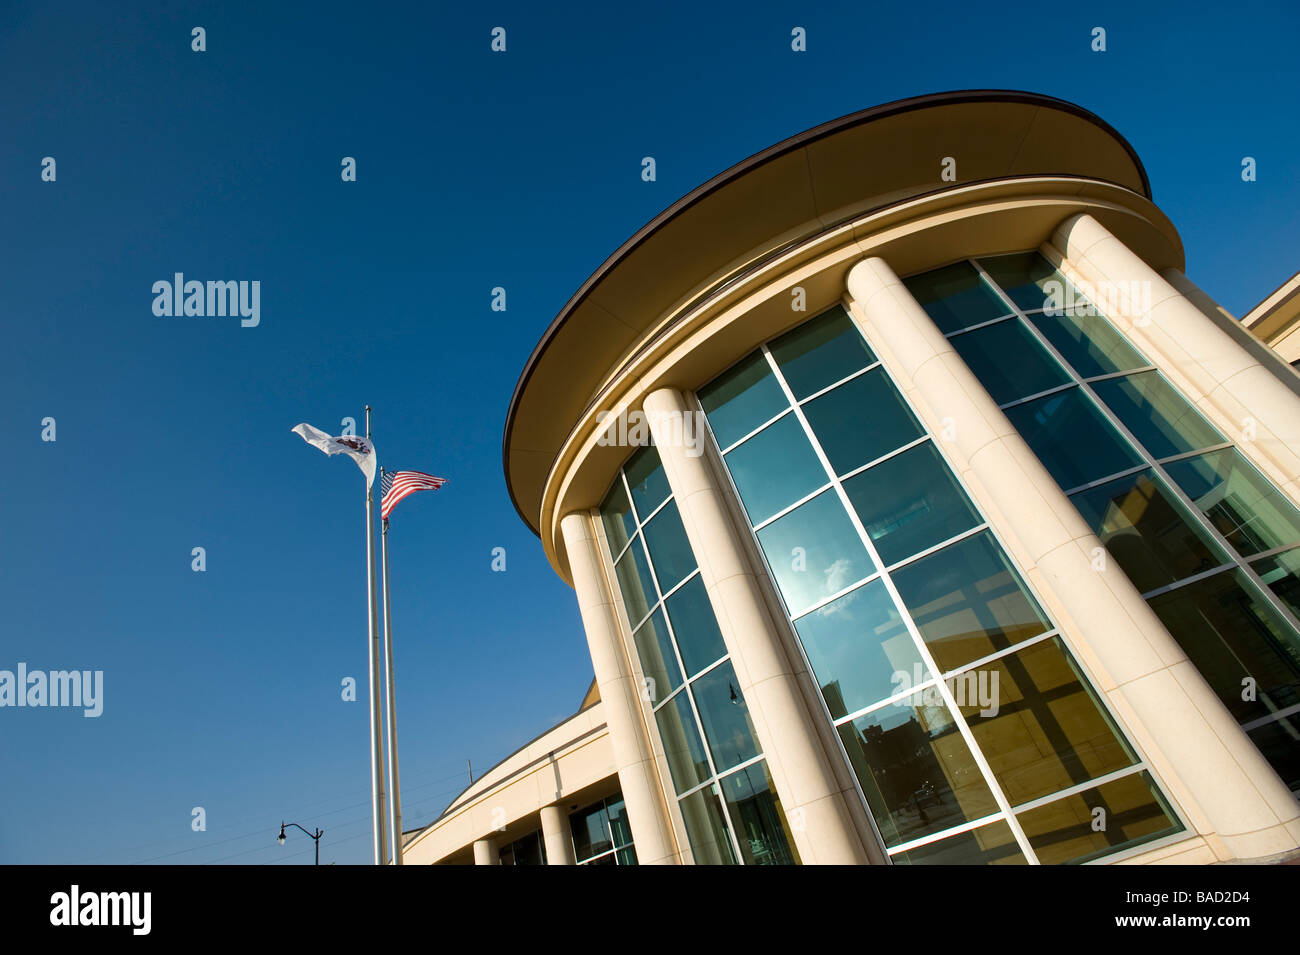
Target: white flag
x=358 y=449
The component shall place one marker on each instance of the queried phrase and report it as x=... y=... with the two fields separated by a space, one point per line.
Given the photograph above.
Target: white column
x=816 y=800
x=1232 y=383
x=1228 y=790
x=557 y=837
x=637 y=775
x=485 y=852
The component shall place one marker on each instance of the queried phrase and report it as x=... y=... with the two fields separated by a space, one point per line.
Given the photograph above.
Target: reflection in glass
x=956 y=297
x=1008 y=360
x=909 y=503
x=635 y=583
x=1032 y=282
x=725 y=717
x=682 y=747
x=1092 y=345
x=861 y=420
x=858 y=646
x=1281 y=573
x=1072 y=438
x=915 y=769
x=740 y=400
x=968 y=601
x=775 y=468
x=658 y=664
x=706 y=828
x=670 y=551
x=1145 y=529
x=814 y=552
x=699 y=640
x=1162 y=420
x=821 y=352
x=761 y=827
x=993 y=844
x=1240 y=502
x=646 y=478
x=616 y=515
x=1066 y=831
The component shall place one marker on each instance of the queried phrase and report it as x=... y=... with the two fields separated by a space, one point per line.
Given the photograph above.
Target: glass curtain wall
x=528 y=850
x=1206 y=538
x=727 y=800
x=601 y=835
x=973 y=733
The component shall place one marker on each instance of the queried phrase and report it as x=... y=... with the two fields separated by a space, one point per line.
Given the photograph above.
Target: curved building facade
x=921 y=510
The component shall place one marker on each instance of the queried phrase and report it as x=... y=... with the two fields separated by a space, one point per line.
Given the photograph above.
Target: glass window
x=725 y=717
x=1039 y=726
x=670 y=551
x=618 y=824
x=1008 y=361
x=635 y=583
x=616 y=515
x=698 y=638
x=1162 y=420
x=706 y=828
x=1030 y=281
x=646 y=478
x=968 y=601
x=742 y=399
x=1092 y=345
x=1146 y=530
x=993 y=844
x=1240 y=502
x=910 y=502
x=814 y=552
x=775 y=468
x=861 y=420
x=1276 y=741
x=858 y=647
x=821 y=352
x=1119 y=815
x=956 y=297
x=1281 y=573
x=1072 y=438
x=915 y=769
x=761 y=827
x=682 y=747
x=658 y=664
x=590 y=829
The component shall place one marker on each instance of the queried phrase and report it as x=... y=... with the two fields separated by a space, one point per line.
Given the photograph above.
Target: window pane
x=633 y=573
x=910 y=502
x=725 y=717
x=646 y=478
x=1240 y=502
x=1030 y=280
x=1008 y=361
x=698 y=639
x=814 y=552
x=760 y=822
x=775 y=468
x=1282 y=574
x=590 y=828
x=1236 y=641
x=968 y=601
x=1072 y=439
x=993 y=844
x=741 y=399
x=619 y=828
x=682 y=746
x=1132 y=812
x=670 y=551
x=1038 y=723
x=616 y=514
x=706 y=829
x=626 y=856
x=915 y=769
x=655 y=652
x=1276 y=741
x=821 y=352
x=857 y=646
x=956 y=297
x=1088 y=342
x=1162 y=420
x=861 y=420
x=1146 y=531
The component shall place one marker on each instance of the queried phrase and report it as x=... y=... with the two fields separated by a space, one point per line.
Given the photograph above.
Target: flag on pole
x=358 y=449
x=400 y=484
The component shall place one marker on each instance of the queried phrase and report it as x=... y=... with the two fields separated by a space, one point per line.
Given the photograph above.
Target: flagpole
x=376 y=743
x=395 y=793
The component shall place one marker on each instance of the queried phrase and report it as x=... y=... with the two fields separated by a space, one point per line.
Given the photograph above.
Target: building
x=968 y=532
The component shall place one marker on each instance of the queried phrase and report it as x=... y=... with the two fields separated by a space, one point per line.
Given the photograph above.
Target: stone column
x=557 y=837
x=485 y=851
x=637 y=775
x=816 y=800
x=1254 y=399
x=1229 y=792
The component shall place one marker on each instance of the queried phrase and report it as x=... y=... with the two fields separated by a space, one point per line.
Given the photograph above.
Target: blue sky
x=475 y=170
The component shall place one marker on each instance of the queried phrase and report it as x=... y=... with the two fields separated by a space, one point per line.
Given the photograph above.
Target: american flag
x=400 y=484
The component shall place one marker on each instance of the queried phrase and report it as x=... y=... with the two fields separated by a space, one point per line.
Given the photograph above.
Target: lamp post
x=315 y=836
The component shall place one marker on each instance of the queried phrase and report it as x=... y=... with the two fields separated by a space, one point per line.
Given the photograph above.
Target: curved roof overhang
x=812 y=182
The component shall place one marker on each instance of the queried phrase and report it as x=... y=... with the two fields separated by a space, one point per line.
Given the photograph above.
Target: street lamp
x=315 y=836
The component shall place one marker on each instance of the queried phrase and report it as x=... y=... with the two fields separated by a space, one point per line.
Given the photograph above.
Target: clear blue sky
x=474 y=170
